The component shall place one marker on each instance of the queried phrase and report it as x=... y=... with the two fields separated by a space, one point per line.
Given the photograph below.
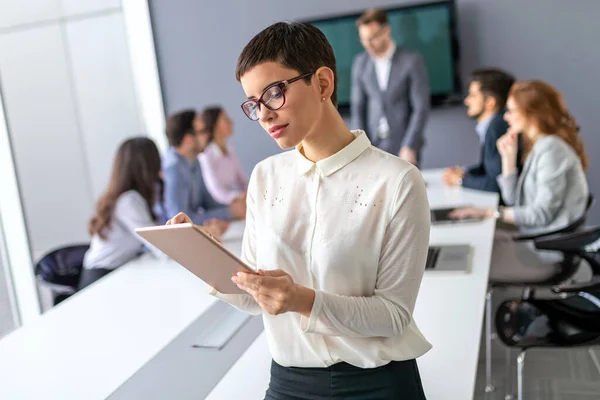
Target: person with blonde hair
x=551 y=192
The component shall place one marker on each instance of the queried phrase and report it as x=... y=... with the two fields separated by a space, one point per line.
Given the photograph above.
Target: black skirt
x=394 y=381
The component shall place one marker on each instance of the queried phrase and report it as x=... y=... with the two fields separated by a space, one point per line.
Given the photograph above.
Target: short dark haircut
x=494 y=82
x=179 y=125
x=295 y=45
x=371 y=16
x=211 y=115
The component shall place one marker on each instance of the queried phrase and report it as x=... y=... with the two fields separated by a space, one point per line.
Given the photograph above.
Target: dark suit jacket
x=483 y=175
x=405 y=102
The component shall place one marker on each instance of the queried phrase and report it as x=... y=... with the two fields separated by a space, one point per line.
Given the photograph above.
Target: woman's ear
x=326 y=82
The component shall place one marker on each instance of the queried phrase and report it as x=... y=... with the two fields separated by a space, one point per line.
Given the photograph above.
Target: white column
x=15 y=232
x=138 y=28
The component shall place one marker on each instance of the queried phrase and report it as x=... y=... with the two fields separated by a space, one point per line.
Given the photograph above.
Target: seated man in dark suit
x=485 y=103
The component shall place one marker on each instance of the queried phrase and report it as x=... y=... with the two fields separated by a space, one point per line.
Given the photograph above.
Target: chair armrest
x=592 y=285
x=521 y=238
x=571 y=228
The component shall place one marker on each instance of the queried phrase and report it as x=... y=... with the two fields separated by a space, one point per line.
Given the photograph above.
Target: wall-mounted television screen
x=427 y=28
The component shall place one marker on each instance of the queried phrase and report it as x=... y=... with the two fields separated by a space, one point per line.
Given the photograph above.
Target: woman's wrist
x=509 y=168
x=305 y=299
x=496 y=213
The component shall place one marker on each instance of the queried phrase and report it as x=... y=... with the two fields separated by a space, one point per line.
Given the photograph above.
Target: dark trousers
x=91 y=275
x=398 y=380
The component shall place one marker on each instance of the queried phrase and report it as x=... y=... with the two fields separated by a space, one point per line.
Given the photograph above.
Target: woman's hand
x=471 y=212
x=453 y=175
x=276 y=292
x=216 y=227
x=180 y=218
x=213 y=227
x=508 y=146
x=237 y=207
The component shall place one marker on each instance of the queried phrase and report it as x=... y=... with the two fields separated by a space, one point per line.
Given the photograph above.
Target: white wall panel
x=78 y=7
x=104 y=89
x=42 y=122
x=18 y=12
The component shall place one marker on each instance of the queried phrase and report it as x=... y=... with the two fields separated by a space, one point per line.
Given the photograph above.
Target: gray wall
x=554 y=40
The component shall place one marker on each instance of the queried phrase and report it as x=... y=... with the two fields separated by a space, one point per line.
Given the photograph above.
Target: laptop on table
x=440 y=216
x=453 y=258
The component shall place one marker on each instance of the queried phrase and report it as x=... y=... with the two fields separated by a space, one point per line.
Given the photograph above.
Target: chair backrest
x=62 y=266
x=580 y=222
x=581 y=244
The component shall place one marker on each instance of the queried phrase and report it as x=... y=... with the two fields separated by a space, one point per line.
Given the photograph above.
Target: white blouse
x=355 y=228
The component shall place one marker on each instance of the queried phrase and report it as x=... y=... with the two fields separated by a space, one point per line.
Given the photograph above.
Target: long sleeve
x=551 y=183
x=358 y=97
x=132 y=212
x=211 y=207
x=508 y=188
x=245 y=302
x=420 y=103
x=213 y=184
x=177 y=196
x=484 y=176
x=218 y=182
x=388 y=312
x=475 y=170
x=241 y=176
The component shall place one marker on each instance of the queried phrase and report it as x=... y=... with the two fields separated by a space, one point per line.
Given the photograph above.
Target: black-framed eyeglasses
x=273 y=97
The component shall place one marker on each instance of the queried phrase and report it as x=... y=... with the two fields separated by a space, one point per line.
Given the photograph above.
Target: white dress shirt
x=121 y=244
x=482 y=127
x=355 y=228
x=383 y=66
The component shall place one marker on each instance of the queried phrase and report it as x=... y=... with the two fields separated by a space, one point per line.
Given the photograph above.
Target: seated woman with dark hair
x=135 y=186
x=221 y=169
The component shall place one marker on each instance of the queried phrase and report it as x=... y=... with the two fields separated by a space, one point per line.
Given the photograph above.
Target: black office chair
x=567 y=268
x=58 y=272
x=573 y=320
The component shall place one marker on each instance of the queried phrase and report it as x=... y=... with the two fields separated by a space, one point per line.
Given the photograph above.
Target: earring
x=322 y=98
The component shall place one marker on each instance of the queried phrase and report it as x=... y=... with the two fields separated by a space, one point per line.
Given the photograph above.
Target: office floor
x=549 y=374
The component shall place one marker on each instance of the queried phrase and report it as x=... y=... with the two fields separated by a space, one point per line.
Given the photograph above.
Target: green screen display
x=425 y=29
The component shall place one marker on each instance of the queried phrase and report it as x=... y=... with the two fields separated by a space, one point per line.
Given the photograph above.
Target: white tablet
x=199 y=253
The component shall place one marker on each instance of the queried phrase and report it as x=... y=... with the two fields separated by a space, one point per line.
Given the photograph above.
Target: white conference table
x=92 y=343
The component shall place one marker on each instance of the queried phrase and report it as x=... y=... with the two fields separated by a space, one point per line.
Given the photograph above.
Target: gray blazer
x=405 y=102
x=552 y=190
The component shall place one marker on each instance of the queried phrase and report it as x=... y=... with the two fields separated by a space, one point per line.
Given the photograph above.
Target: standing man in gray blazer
x=390 y=90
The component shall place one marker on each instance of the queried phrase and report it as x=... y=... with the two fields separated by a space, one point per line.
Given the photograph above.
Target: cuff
x=308 y=325
x=519 y=215
x=507 y=180
x=211 y=290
